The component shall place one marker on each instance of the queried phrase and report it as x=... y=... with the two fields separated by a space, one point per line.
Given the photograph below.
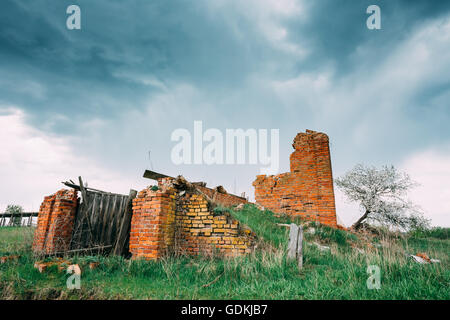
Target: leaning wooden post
x=293 y=239
x=300 y=247
x=295 y=247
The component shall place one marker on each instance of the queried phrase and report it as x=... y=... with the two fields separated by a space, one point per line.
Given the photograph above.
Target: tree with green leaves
x=16 y=214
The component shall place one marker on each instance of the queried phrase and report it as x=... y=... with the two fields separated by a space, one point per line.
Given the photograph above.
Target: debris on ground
x=240 y=206
x=419 y=259
x=435 y=261
x=61 y=263
x=423 y=258
x=311 y=230
x=321 y=247
x=93 y=265
x=8 y=258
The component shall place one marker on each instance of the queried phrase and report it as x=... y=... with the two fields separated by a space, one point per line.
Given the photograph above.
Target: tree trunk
x=358 y=223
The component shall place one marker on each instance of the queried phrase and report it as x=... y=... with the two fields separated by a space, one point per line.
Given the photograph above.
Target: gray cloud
x=140 y=69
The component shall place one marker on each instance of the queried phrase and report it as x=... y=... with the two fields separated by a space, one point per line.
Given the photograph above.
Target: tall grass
x=338 y=273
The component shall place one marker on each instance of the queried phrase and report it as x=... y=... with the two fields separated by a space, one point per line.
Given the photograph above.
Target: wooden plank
x=91 y=250
x=116 y=220
x=82 y=189
x=77 y=187
x=24 y=214
x=300 y=247
x=283 y=225
x=89 y=213
x=110 y=219
x=75 y=240
x=105 y=217
x=293 y=241
x=85 y=224
x=96 y=216
x=125 y=224
x=92 y=214
x=154 y=175
x=99 y=219
x=87 y=228
x=117 y=213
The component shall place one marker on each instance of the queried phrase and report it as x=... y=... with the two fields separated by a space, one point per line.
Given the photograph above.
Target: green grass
x=339 y=273
x=436 y=232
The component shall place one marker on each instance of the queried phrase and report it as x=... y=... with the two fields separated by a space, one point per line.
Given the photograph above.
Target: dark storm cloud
x=139 y=69
x=128 y=53
x=99 y=70
x=334 y=30
x=102 y=70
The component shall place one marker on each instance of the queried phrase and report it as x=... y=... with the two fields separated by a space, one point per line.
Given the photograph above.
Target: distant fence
x=23 y=219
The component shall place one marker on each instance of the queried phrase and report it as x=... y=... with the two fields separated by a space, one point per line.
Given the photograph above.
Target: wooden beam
x=300 y=247
x=154 y=175
x=25 y=214
x=295 y=246
x=78 y=188
x=99 y=248
x=284 y=225
x=293 y=241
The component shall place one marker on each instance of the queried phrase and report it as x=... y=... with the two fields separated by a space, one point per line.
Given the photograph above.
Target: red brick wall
x=199 y=231
x=165 y=222
x=306 y=190
x=223 y=199
x=55 y=222
x=152 y=224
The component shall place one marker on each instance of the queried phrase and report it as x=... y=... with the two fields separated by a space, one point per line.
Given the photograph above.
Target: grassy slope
x=336 y=274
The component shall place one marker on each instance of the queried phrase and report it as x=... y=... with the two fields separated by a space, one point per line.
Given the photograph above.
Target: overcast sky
x=94 y=102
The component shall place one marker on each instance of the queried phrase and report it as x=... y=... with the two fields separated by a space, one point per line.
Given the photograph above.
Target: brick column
x=307 y=190
x=326 y=199
x=55 y=222
x=153 y=223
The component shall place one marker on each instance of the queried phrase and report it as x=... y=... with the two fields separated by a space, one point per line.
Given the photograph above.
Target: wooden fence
x=10 y=219
x=103 y=220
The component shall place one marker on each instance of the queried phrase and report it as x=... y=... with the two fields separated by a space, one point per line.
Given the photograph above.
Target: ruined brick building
x=307 y=190
x=169 y=220
x=174 y=217
x=178 y=217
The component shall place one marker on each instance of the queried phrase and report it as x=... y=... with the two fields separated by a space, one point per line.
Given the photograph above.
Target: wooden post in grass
x=300 y=247
x=295 y=247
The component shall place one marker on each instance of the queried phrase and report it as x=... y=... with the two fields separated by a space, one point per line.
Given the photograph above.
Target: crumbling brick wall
x=220 y=198
x=166 y=221
x=307 y=190
x=55 y=222
x=152 y=223
x=200 y=231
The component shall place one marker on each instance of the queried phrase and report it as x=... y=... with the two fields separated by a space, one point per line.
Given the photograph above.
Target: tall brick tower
x=306 y=190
